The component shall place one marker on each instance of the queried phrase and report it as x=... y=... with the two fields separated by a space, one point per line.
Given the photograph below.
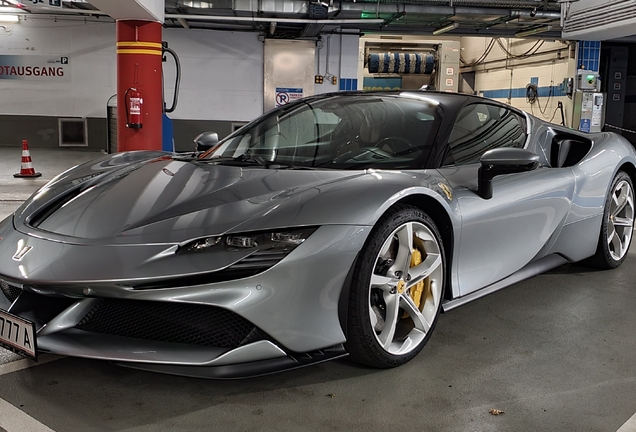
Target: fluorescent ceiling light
x=10 y=9
x=533 y=31
x=9 y=18
x=445 y=29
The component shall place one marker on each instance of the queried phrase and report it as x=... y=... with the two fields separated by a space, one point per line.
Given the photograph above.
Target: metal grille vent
x=9 y=291
x=170 y=322
x=607 y=14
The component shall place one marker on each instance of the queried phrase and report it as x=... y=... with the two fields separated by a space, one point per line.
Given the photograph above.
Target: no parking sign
x=285 y=95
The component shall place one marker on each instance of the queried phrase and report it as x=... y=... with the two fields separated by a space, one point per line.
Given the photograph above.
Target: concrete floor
x=555 y=353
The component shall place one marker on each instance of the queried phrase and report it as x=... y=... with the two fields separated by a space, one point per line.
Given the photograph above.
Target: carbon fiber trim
x=10 y=292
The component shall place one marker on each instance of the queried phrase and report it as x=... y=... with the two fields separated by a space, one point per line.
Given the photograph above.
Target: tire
x=387 y=323
x=617 y=226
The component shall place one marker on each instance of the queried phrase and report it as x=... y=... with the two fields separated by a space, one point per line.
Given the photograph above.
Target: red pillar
x=139 y=67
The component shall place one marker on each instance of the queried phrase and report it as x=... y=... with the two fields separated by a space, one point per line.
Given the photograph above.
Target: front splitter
x=244 y=370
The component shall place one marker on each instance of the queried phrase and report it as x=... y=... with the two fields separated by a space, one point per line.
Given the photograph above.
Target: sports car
x=338 y=224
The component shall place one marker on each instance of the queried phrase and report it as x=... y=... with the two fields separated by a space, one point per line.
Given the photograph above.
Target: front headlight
x=282 y=240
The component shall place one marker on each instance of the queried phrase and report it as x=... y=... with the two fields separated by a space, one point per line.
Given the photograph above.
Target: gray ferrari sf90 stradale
x=338 y=224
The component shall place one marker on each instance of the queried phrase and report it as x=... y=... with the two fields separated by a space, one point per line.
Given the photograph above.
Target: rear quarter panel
x=593 y=178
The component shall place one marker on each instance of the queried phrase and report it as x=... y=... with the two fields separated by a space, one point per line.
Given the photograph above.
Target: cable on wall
x=529 y=53
x=480 y=59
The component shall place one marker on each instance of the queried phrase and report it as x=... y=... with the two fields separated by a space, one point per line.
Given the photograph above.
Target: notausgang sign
x=34 y=68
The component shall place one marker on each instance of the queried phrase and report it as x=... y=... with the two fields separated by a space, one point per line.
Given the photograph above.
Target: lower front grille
x=171 y=322
x=10 y=292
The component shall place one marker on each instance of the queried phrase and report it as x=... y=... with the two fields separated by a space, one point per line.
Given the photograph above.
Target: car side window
x=481 y=127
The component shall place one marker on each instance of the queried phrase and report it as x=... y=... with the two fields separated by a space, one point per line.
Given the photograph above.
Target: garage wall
x=505 y=78
x=91 y=51
x=221 y=79
x=343 y=65
x=222 y=74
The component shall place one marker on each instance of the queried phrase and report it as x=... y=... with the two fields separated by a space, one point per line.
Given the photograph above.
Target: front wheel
x=618 y=224
x=397 y=289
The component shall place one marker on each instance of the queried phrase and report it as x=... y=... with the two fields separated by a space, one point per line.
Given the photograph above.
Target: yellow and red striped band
x=152 y=48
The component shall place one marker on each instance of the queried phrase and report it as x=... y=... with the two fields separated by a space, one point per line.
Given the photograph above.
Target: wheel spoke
x=620 y=201
x=385 y=283
x=420 y=321
x=425 y=269
x=611 y=233
x=436 y=293
x=618 y=244
x=623 y=222
x=390 y=322
x=405 y=248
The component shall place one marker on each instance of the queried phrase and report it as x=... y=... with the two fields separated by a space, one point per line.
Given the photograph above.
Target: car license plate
x=17 y=334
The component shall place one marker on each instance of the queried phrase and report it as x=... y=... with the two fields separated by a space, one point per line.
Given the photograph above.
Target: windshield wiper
x=251 y=159
x=246 y=157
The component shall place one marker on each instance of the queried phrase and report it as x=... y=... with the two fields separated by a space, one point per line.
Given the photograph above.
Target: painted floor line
x=12 y=419
x=26 y=363
x=629 y=425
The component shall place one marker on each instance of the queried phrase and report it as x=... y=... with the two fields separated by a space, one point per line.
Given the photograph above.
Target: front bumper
x=294 y=304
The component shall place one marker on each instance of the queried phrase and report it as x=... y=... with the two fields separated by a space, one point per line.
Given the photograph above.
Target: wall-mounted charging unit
x=589 y=102
x=587 y=80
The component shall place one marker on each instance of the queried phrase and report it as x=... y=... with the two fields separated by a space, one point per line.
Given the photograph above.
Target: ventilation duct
x=401 y=63
x=599 y=20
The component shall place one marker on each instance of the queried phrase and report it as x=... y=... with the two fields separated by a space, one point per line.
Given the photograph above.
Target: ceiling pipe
x=68 y=11
x=500 y=3
x=533 y=31
x=273 y=19
x=444 y=10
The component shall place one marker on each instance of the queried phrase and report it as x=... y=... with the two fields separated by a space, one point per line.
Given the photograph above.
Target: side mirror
x=206 y=141
x=507 y=160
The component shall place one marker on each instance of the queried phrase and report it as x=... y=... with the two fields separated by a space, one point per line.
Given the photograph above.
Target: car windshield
x=339 y=132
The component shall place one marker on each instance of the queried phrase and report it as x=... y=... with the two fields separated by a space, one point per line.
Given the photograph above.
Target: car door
x=500 y=235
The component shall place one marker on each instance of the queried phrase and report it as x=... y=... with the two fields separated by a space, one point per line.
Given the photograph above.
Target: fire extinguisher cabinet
x=111 y=116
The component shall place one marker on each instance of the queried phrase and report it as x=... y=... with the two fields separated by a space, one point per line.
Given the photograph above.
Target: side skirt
x=532 y=269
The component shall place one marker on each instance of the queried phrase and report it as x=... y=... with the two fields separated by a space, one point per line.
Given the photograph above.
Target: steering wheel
x=396 y=145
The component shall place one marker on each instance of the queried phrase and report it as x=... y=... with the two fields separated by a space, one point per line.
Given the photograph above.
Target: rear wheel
x=618 y=224
x=397 y=289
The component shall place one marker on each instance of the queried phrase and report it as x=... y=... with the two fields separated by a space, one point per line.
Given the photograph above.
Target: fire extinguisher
x=133 y=102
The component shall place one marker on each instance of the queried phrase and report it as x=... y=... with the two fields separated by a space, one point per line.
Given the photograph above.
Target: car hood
x=150 y=199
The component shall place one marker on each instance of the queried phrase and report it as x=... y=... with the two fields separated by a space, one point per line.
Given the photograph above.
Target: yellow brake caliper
x=418 y=289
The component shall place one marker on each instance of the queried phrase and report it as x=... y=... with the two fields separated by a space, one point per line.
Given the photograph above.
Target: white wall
x=222 y=72
x=502 y=74
x=91 y=48
x=343 y=66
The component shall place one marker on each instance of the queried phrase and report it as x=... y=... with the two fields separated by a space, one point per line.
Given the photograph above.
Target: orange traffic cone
x=26 y=168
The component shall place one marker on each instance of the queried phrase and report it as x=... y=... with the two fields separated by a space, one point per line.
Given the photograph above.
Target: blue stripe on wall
x=521 y=92
x=349 y=84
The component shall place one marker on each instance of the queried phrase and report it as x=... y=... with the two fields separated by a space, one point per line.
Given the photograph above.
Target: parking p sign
x=285 y=95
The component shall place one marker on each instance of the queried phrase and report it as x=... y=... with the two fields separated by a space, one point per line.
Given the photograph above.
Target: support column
x=139 y=67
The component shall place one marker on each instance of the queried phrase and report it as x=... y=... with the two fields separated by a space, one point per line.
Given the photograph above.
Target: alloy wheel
x=621 y=220
x=406 y=288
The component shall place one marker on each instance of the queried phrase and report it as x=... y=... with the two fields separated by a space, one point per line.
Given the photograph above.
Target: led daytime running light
x=288 y=239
